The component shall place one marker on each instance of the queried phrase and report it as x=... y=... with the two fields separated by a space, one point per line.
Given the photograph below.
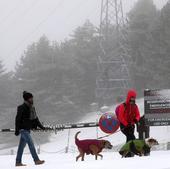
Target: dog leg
x=80 y=155
x=100 y=156
x=124 y=154
x=94 y=149
x=142 y=153
x=82 y=159
x=95 y=156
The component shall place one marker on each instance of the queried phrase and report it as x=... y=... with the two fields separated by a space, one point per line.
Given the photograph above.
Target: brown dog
x=138 y=147
x=91 y=146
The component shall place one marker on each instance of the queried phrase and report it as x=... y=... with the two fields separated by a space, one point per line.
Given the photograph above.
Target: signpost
x=157 y=107
x=108 y=123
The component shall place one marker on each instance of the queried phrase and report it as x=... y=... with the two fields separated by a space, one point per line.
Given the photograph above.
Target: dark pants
x=143 y=132
x=128 y=132
x=26 y=138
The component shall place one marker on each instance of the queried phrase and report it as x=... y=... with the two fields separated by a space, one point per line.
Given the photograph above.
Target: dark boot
x=39 y=162
x=20 y=165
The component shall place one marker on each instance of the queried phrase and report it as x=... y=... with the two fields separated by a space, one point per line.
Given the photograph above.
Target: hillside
x=58 y=142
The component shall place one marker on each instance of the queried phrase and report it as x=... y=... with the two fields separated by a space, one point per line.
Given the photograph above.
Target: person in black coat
x=26 y=120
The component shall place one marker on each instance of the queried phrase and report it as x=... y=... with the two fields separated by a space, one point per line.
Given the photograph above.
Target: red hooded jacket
x=128 y=113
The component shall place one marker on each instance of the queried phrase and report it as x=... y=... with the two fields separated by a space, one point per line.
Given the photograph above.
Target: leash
x=108 y=135
x=111 y=134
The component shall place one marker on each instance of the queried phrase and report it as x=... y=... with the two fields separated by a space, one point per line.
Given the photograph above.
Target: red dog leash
x=108 y=135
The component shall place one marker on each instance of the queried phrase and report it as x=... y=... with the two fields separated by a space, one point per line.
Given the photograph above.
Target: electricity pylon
x=113 y=79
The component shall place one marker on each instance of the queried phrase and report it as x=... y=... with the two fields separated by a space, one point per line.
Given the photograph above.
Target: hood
x=131 y=93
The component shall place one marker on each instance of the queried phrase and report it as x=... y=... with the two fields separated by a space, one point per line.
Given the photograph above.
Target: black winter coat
x=22 y=120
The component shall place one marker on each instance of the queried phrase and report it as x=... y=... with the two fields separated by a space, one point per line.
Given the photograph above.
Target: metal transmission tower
x=113 y=75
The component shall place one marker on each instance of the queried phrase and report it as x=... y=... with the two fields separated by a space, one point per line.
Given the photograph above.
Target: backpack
x=117 y=109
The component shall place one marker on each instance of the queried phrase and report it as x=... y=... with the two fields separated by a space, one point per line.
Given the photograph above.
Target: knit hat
x=27 y=95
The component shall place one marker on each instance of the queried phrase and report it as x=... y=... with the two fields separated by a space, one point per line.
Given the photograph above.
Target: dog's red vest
x=84 y=145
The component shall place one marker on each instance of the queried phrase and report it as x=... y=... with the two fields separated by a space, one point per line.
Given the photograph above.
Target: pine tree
x=141 y=18
x=5 y=87
x=86 y=51
x=161 y=50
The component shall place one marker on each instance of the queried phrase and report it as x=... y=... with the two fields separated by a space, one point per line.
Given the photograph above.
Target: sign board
x=108 y=123
x=157 y=107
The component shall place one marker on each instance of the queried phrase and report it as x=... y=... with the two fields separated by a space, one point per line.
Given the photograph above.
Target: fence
x=73 y=149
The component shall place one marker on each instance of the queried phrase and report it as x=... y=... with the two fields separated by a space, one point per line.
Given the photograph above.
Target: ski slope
x=54 y=154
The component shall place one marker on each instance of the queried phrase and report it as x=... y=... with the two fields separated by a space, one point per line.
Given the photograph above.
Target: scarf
x=33 y=114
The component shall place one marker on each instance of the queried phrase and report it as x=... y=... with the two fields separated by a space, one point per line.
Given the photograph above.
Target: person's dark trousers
x=128 y=132
x=26 y=139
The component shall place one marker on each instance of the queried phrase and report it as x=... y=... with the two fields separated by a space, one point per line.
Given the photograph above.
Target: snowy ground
x=53 y=151
x=157 y=160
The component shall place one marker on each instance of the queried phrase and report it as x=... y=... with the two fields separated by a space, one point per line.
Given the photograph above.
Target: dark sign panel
x=157 y=107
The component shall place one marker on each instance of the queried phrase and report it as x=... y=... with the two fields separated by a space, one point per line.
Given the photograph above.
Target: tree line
x=62 y=76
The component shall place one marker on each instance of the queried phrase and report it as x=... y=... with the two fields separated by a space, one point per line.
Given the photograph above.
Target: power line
x=44 y=20
x=76 y=7
x=10 y=13
x=35 y=29
x=34 y=2
x=90 y=13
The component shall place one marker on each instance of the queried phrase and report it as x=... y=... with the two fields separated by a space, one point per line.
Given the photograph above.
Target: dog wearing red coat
x=91 y=146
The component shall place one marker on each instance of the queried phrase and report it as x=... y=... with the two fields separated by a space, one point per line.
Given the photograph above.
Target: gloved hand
x=48 y=128
x=43 y=128
x=136 y=121
x=17 y=133
x=130 y=126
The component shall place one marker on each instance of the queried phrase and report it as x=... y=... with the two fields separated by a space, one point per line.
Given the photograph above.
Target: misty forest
x=62 y=75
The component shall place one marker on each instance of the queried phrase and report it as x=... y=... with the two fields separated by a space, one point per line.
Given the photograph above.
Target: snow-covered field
x=157 y=160
x=53 y=151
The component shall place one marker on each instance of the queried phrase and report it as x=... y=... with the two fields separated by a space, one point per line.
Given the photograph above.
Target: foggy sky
x=25 y=21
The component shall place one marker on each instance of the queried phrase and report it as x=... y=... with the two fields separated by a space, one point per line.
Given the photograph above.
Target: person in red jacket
x=129 y=115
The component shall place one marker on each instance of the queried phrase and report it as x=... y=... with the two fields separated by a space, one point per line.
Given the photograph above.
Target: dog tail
x=77 y=142
x=77 y=135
